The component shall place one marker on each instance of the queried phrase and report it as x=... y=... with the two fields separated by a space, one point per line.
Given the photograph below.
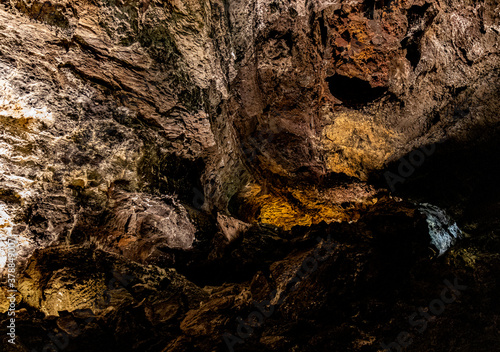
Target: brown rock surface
x=210 y=143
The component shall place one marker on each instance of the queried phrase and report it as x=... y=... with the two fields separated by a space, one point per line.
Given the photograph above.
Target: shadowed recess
x=353 y=92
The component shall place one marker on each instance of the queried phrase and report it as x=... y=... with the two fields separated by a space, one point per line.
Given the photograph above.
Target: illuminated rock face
x=214 y=142
x=334 y=89
x=82 y=111
x=444 y=232
x=102 y=280
x=202 y=97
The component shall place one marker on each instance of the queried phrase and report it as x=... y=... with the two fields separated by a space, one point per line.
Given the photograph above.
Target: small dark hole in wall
x=416 y=13
x=418 y=19
x=369 y=6
x=274 y=6
x=346 y=36
x=353 y=92
x=412 y=50
x=372 y=6
x=323 y=31
x=388 y=3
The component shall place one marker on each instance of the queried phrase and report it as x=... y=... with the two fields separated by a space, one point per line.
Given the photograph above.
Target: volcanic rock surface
x=168 y=165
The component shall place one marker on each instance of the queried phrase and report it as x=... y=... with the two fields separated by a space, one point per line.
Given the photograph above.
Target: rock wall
x=219 y=137
x=263 y=102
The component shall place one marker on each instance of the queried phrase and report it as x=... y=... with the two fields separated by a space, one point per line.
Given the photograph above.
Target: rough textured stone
x=210 y=143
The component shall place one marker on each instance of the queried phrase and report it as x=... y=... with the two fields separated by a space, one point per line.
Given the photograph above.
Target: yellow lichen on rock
x=15 y=115
x=5 y=299
x=305 y=207
x=62 y=296
x=354 y=144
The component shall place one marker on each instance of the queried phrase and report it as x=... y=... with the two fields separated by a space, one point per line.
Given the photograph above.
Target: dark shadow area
x=458 y=175
x=418 y=19
x=353 y=92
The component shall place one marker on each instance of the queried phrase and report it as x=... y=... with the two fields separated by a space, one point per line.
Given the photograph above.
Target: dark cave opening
x=353 y=92
x=416 y=13
x=413 y=49
x=369 y=9
x=371 y=6
x=418 y=19
x=323 y=31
